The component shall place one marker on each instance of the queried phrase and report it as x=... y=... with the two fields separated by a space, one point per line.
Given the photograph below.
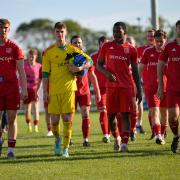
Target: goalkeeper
x=62 y=86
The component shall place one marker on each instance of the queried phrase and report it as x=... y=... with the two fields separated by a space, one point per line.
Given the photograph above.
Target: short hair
x=122 y=24
x=33 y=51
x=160 y=33
x=101 y=39
x=177 y=23
x=74 y=37
x=60 y=25
x=151 y=30
x=5 y=21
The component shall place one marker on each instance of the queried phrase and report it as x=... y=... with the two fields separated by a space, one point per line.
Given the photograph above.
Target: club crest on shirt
x=126 y=50
x=8 y=50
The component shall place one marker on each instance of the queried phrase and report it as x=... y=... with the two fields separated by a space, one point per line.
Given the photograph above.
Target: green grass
x=35 y=159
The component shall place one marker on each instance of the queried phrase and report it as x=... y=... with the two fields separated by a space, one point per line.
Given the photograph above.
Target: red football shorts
x=32 y=97
x=10 y=101
x=83 y=100
x=119 y=100
x=153 y=100
x=173 y=99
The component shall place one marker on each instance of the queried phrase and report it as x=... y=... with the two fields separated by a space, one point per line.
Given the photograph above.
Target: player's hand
x=72 y=68
x=46 y=97
x=24 y=94
x=160 y=92
x=111 y=77
x=98 y=97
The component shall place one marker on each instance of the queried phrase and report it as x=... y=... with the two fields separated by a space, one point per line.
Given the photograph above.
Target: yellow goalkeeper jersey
x=55 y=63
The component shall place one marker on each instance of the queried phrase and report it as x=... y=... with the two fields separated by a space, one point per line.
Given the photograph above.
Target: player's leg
x=164 y=120
x=67 y=105
x=48 y=122
x=85 y=124
x=124 y=98
x=35 y=106
x=56 y=132
x=133 y=117
x=103 y=117
x=173 y=103
x=156 y=124
x=84 y=103
x=4 y=122
x=174 y=125
x=139 y=125
x=12 y=132
x=112 y=109
x=67 y=132
x=54 y=111
x=27 y=108
x=164 y=116
x=125 y=131
x=114 y=130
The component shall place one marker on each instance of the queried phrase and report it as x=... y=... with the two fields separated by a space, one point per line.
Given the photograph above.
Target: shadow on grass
x=87 y=156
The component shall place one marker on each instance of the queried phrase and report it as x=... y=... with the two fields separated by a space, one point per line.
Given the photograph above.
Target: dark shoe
x=70 y=143
x=106 y=139
x=174 y=145
x=152 y=136
x=117 y=145
x=140 y=129
x=165 y=135
x=160 y=141
x=124 y=148
x=132 y=136
x=86 y=144
x=11 y=156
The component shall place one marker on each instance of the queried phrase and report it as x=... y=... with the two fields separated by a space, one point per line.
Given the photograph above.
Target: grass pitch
x=36 y=160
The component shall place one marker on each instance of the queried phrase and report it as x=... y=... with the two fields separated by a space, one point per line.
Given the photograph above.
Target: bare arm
x=45 y=89
x=72 y=68
x=93 y=80
x=137 y=82
x=100 y=66
x=160 y=70
x=140 y=69
x=23 y=80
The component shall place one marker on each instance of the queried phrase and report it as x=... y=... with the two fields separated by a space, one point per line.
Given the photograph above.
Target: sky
x=95 y=14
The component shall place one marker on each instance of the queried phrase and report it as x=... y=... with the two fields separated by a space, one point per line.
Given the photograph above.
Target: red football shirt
x=83 y=83
x=140 y=51
x=150 y=59
x=118 y=59
x=100 y=76
x=171 y=55
x=9 y=53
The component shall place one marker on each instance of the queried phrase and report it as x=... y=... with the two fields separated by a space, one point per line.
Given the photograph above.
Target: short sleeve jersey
x=10 y=52
x=83 y=83
x=32 y=74
x=171 y=56
x=140 y=51
x=55 y=63
x=118 y=59
x=150 y=59
x=100 y=76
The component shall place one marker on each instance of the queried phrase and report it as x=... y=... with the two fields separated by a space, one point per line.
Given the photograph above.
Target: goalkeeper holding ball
x=57 y=69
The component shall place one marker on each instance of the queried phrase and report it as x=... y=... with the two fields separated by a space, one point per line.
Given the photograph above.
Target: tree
x=37 y=33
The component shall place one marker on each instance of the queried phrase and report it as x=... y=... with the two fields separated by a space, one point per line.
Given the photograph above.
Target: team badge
x=8 y=50
x=126 y=50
